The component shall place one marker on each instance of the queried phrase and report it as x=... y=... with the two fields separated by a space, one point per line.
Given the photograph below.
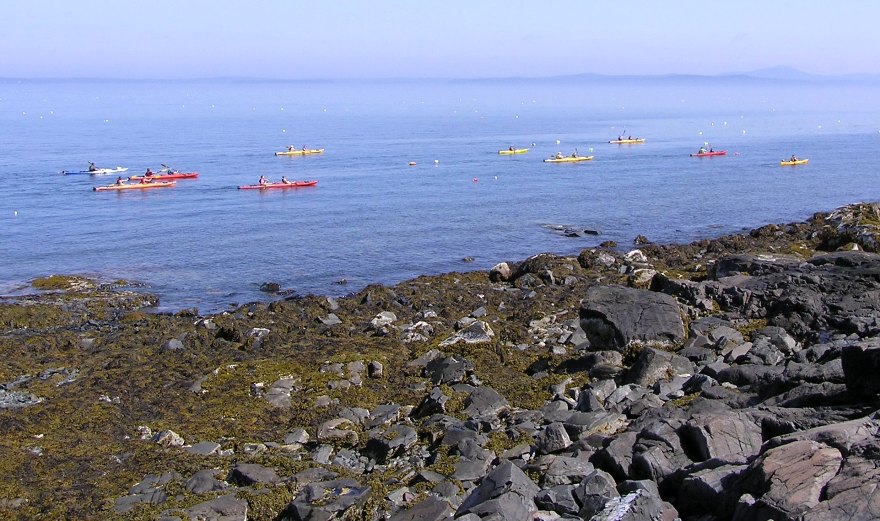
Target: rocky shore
x=727 y=379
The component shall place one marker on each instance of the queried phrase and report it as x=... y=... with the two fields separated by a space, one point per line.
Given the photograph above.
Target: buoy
x=475 y=180
x=436 y=161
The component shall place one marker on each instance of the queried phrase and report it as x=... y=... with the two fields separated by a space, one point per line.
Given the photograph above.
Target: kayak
x=100 y=171
x=294 y=184
x=165 y=177
x=568 y=159
x=512 y=152
x=135 y=186
x=300 y=152
x=627 y=141
x=792 y=163
x=707 y=154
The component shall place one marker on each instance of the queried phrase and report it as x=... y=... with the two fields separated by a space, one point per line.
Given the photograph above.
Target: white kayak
x=100 y=171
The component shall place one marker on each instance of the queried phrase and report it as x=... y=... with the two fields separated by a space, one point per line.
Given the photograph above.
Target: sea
x=375 y=218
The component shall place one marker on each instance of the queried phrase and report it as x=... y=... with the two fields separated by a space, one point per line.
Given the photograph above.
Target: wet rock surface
x=725 y=379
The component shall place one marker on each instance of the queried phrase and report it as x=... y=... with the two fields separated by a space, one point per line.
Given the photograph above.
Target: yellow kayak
x=792 y=163
x=512 y=152
x=627 y=141
x=300 y=152
x=568 y=159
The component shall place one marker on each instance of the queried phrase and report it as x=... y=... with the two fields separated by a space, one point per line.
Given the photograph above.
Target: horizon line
x=770 y=73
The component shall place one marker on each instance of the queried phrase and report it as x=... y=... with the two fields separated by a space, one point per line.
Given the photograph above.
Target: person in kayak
x=510 y=148
x=146 y=179
x=558 y=155
x=794 y=158
x=702 y=150
x=119 y=181
x=263 y=181
x=290 y=148
x=285 y=181
x=148 y=173
x=92 y=167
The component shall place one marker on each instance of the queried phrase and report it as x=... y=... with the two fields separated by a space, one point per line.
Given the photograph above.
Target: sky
x=431 y=39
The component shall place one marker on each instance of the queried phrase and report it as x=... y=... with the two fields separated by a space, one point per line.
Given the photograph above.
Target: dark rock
x=615 y=317
x=711 y=490
x=205 y=448
x=853 y=494
x=593 y=492
x=641 y=239
x=172 y=345
x=861 y=365
x=506 y=491
x=730 y=437
x=222 y=508
x=270 y=287
x=326 y=500
x=617 y=455
x=558 y=499
x=430 y=509
x=448 y=370
x=433 y=403
x=484 y=401
x=553 y=439
x=565 y=470
x=478 y=332
x=246 y=474
x=653 y=365
x=204 y=481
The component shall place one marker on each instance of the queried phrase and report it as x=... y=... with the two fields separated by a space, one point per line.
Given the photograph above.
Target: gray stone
x=296 y=436
x=205 y=448
x=484 y=401
x=478 y=332
x=430 y=509
x=727 y=437
x=554 y=438
x=712 y=490
x=17 y=399
x=593 y=492
x=326 y=500
x=448 y=370
x=278 y=394
x=653 y=365
x=505 y=491
x=330 y=320
x=246 y=474
x=854 y=494
x=565 y=470
x=223 y=508
x=172 y=345
x=168 y=438
x=558 y=499
x=204 y=481
x=615 y=317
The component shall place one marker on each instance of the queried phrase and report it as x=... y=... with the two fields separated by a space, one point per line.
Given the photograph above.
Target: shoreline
x=609 y=379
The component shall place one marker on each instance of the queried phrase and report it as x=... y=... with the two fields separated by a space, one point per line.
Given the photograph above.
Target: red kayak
x=163 y=177
x=713 y=153
x=292 y=184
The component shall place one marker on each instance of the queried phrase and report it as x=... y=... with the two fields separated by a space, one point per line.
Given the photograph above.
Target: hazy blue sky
x=453 y=38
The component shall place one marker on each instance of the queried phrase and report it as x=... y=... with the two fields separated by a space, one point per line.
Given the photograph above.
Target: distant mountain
x=784 y=73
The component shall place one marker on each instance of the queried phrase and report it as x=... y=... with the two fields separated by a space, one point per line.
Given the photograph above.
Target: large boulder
x=861 y=365
x=506 y=491
x=789 y=480
x=615 y=317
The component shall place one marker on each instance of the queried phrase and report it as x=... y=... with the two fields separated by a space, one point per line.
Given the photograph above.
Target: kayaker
x=510 y=148
x=702 y=150
x=92 y=167
x=711 y=149
x=290 y=148
x=558 y=155
x=793 y=158
x=119 y=181
x=146 y=179
x=284 y=180
x=263 y=180
x=304 y=148
x=148 y=172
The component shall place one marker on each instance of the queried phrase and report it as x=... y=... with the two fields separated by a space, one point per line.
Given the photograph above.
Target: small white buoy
x=283 y=130
x=15 y=213
x=557 y=141
x=496 y=177
x=744 y=132
x=700 y=133
x=436 y=161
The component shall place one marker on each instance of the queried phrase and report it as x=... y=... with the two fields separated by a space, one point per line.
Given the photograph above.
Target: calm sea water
x=372 y=218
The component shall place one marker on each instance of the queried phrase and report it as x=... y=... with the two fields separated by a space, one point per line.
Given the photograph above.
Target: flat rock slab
x=613 y=317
